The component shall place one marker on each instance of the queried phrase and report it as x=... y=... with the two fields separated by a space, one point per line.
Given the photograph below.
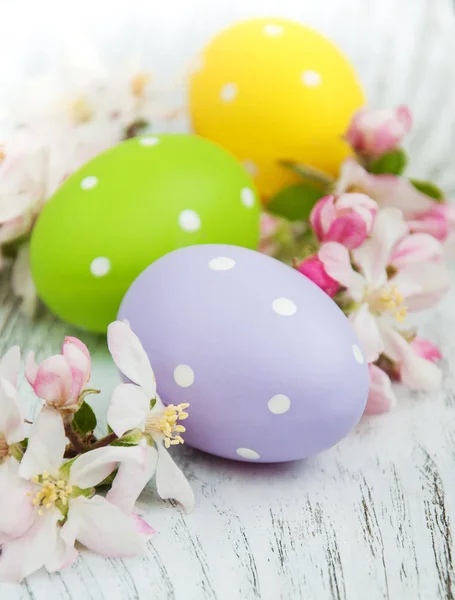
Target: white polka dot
x=183 y=376
x=89 y=182
x=358 y=355
x=311 y=78
x=189 y=220
x=251 y=167
x=284 y=307
x=150 y=140
x=222 y=263
x=228 y=92
x=273 y=30
x=247 y=453
x=100 y=266
x=247 y=196
x=279 y=404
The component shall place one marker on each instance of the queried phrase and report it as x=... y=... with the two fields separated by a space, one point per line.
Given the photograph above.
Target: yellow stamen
x=139 y=83
x=165 y=424
x=81 y=111
x=389 y=300
x=52 y=490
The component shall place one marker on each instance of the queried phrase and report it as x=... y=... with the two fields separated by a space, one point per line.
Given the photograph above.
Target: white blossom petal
x=130 y=357
x=11 y=416
x=26 y=554
x=171 y=482
x=131 y=479
x=10 y=364
x=423 y=284
x=17 y=512
x=128 y=409
x=46 y=445
x=366 y=327
x=103 y=528
x=94 y=466
x=337 y=263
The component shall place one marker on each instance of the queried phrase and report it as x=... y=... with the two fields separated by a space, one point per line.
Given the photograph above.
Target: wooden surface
x=370 y=518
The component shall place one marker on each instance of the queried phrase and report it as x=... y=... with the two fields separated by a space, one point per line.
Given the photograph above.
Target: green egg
x=126 y=208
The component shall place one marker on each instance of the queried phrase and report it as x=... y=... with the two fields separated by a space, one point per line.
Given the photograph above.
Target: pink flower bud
x=347 y=219
x=438 y=221
x=375 y=132
x=59 y=380
x=426 y=349
x=313 y=268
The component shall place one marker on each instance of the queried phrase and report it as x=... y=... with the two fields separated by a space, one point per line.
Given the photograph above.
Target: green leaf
x=152 y=403
x=392 y=163
x=84 y=420
x=428 y=188
x=295 y=202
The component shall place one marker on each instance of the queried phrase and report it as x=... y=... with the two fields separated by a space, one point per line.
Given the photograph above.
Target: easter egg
x=272 y=90
x=126 y=208
x=269 y=364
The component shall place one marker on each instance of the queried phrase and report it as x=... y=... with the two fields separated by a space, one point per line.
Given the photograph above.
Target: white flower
x=137 y=406
x=60 y=505
x=396 y=273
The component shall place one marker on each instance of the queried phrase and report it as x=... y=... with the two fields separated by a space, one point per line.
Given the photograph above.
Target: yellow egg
x=271 y=90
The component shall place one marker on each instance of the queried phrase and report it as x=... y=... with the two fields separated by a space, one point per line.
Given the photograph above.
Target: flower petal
x=423 y=284
x=349 y=230
x=374 y=255
x=103 y=528
x=366 y=327
x=11 y=417
x=380 y=395
x=16 y=509
x=131 y=479
x=53 y=380
x=415 y=372
x=415 y=249
x=78 y=358
x=130 y=357
x=26 y=554
x=322 y=216
x=46 y=445
x=31 y=368
x=91 y=468
x=128 y=409
x=337 y=263
x=171 y=483
x=425 y=349
x=313 y=268
x=10 y=364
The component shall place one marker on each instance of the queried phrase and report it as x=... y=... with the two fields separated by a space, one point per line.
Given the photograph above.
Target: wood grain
x=371 y=518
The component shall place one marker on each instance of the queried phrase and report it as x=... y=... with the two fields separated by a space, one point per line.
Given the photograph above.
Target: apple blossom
x=61 y=506
x=313 y=268
x=136 y=406
x=374 y=132
x=60 y=380
x=347 y=218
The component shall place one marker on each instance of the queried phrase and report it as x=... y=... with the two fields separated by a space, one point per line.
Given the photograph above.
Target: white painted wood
x=370 y=518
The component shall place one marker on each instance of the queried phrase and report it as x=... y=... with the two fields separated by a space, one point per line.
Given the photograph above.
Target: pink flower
x=60 y=505
x=348 y=219
x=426 y=349
x=59 y=380
x=389 y=191
x=313 y=268
x=438 y=221
x=375 y=132
x=137 y=406
x=380 y=396
x=418 y=281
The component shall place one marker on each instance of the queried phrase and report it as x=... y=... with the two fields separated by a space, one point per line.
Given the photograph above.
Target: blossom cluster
x=75 y=115
x=59 y=483
x=376 y=242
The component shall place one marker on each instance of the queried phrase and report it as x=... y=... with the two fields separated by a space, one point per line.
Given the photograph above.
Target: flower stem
x=73 y=438
x=105 y=441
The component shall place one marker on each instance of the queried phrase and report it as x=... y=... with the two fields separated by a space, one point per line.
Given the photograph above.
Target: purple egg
x=268 y=362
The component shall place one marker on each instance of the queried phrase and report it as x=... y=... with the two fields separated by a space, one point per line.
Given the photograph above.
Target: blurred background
x=403 y=51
